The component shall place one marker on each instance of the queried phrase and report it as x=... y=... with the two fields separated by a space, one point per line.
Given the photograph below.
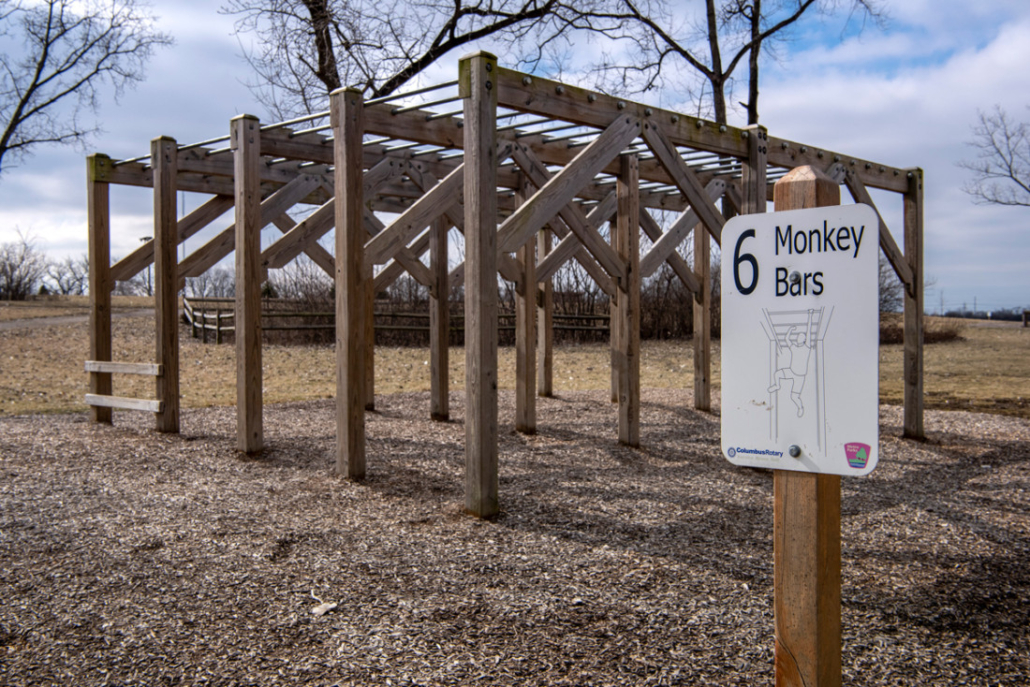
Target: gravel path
x=133 y=558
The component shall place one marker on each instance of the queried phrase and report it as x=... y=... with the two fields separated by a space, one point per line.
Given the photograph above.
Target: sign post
x=800 y=387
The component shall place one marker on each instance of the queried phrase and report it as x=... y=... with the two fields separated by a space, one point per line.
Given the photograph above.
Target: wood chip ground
x=133 y=558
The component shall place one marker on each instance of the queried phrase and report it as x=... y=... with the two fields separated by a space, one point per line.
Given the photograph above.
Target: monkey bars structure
x=529 y=170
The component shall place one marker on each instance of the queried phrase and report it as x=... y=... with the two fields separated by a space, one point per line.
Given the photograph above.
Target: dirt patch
x=131 y=557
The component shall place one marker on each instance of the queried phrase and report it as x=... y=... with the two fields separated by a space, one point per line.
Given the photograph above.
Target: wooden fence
x=216 y=317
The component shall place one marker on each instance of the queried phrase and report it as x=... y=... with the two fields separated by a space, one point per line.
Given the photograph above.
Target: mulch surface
x=129 y=557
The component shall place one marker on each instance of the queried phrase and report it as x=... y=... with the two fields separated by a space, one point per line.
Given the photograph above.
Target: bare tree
x=1001 y=171
x=701 y=54
x=22 y=266
x=56 y=55
x=892 y=291
x=69 y=277
x=307 y=48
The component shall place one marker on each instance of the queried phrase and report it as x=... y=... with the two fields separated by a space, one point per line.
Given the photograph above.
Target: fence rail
x=218 y=316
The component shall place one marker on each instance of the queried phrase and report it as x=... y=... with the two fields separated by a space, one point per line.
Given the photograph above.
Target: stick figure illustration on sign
x=795 y=338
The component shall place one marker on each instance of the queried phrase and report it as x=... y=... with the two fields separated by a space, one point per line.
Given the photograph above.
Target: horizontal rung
x=152 y=369
x=125 y=403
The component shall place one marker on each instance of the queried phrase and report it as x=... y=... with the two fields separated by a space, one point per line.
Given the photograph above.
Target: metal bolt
x=743 y=134
x=648 y=112
x=592 y=97
x=489 y=85
x=882 y=169
x=675 y=119
x=819 y=154
x=784 y=145
x=526 y=81
x=699 y=123
x=794 y=451
x=621 y=105
x=489 y=67
x=836 y=158
x=559 y=89
x=803 y=149
x=795 y=277
x=722 y=129
x=852 y=163
x=868 y=165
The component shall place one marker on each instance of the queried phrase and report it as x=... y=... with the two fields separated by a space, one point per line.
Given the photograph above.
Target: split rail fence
x=529 y=171
x=215 y=317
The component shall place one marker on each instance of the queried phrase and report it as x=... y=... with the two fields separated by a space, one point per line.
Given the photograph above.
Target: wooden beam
x=806 y=526
x=913 y=217
x=146 y=369
x=628 y=358
x=668 y=242
x=685 y=179
x=702 y=315
x=556 y=192
x=313 y=249
x=573 y=219
x=394 y=269
x=674 y=260
x=425 y=180
x=98 y=213
x=525 y=333
x=544 y=322
x=208 y=255
x=533 y=94
x=106 y=401
x=790 y=154
x=476 y=78
x=347 y=108
x=754 y=182
x=439 y=325
x=246 y=144
x=570 y=246
x=164 y=158
x=136 y=261
x=887 y=244
x=299 y=236
x=404 y=256
x=415 y=219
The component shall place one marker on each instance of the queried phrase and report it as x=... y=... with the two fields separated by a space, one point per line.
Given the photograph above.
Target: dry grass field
x=988 y=369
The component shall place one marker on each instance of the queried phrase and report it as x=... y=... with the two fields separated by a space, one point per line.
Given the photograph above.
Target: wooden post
x=628 y=296
x=246 y=144
x=476 y=85
x=525 y=334
x=370 y=340
x=806 y=525
x=439 y=325
x=164 y=158
x=914 y=308
x=614 y=321
x=702 y=312
x=351 y=285
x=545 y=323
x=100 y=285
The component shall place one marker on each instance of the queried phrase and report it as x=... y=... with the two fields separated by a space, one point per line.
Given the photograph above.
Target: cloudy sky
x=904 y=96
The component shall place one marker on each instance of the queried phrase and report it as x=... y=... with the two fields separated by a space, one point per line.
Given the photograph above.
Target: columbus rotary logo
x=858 y=454
x=732 y=452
